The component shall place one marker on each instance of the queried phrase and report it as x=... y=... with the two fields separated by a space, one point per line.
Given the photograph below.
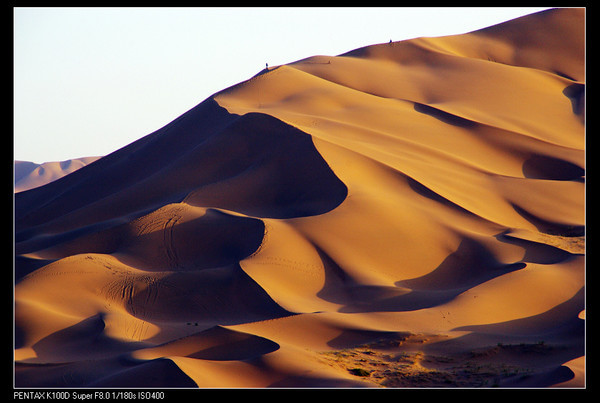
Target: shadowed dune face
x=206 y=148
x=294 y=179
x=324 y=221
x=544 y=167
x=443 y=116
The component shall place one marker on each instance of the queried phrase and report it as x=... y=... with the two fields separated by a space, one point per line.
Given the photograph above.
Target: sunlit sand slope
x=404 y=214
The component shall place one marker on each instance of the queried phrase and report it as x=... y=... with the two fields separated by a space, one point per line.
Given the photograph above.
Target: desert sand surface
x=407 y=214
x=28 y=175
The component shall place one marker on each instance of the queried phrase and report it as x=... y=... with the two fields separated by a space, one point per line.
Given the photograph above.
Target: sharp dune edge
x=407 y=214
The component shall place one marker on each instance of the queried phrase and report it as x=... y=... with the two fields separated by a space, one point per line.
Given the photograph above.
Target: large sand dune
x=405 y=214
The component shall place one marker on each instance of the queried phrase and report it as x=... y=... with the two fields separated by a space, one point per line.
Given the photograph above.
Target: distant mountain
x=29 y=175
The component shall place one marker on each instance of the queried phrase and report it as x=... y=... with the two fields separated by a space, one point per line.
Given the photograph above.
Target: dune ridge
x=403 y=214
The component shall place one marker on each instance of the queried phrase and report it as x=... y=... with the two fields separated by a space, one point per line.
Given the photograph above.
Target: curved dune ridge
x=408 y=214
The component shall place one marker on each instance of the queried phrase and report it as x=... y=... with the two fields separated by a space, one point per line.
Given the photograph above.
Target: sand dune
x=28 y=175
x=408 y=214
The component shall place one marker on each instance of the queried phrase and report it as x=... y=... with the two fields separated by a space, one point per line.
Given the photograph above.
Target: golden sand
x=407 y=214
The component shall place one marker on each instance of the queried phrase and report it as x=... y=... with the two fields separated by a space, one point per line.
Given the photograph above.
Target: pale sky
x=88 y=81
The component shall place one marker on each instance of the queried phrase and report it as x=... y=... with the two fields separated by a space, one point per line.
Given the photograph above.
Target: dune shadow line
x=443 y=116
